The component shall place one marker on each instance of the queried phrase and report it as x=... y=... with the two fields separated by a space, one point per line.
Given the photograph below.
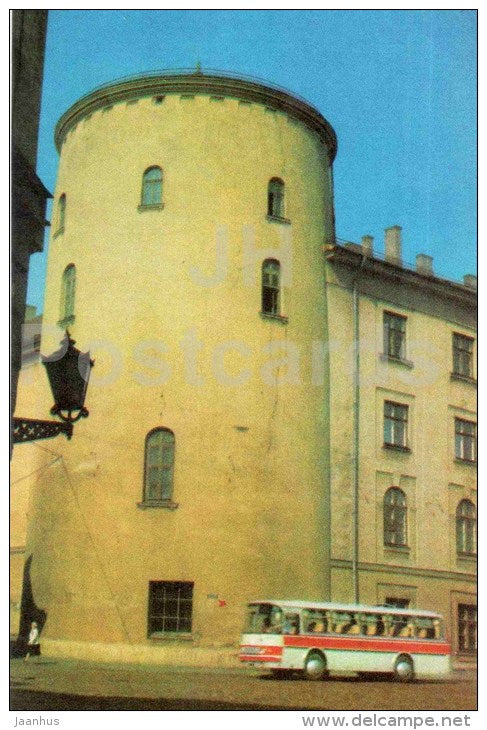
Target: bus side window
x=371 y=625
x=426 y=628
x=400 y=626
x=317 y=623
x=407 y=630
x=291 y=624
x=381 y=627
x=355 y=625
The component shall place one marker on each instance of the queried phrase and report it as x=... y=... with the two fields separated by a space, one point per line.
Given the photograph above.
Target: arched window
x=466 y=522
x=68 y=288
x=275 y=198
x=395 y=517
x=271 y=275
x=159 y=465
x=61 y=213
x=152 y=187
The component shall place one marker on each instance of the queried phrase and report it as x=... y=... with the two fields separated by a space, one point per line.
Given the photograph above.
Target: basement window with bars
x=170 y=608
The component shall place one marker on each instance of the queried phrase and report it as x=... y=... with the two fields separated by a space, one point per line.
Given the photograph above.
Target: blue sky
x=399 y=87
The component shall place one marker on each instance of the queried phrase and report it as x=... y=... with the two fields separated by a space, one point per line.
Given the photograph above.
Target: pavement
x=48 y=683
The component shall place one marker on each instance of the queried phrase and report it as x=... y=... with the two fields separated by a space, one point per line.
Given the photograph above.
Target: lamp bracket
x=31 y=429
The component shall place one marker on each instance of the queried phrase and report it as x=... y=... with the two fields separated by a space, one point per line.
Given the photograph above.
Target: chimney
x=367 y=245
x=424 y=264
x=393 y=245
x=470 y=280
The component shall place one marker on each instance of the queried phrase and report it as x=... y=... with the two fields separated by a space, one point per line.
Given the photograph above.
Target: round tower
x=189 y=218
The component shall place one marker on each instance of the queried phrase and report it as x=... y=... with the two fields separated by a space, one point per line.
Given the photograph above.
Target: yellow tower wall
x=250 y=477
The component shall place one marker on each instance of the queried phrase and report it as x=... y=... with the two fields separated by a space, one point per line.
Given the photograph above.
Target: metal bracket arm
x=30 y=429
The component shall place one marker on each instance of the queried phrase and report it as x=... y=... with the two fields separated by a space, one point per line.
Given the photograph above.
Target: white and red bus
x=321 y=638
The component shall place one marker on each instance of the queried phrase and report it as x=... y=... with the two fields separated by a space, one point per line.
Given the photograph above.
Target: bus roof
x=355 y=607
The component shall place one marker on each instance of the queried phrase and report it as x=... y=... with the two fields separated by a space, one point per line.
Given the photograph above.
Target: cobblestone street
x=55 y=684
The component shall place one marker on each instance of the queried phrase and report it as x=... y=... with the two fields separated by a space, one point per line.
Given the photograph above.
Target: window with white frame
x=396 y=424
x=467 y=628
x=395 y=518
x=152 y=187
x=271 y=286
x=394 y=335
x=68 y=290
x=465 y=440
x=275 y=198
x=159 y=465
x=463 y=355
x=466 y=528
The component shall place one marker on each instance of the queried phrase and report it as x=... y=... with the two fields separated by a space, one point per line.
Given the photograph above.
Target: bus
x=317 y=639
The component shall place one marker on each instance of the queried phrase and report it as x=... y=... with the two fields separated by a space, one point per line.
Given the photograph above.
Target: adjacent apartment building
x=402 y=360
x=239 y=444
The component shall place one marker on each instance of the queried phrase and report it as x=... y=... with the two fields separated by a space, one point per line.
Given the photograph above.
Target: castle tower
x=189 y=219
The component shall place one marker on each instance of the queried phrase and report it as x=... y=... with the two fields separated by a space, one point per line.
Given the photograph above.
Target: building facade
x=193 y=252
x=28 y=194
x=194 y=277
x=402 y=359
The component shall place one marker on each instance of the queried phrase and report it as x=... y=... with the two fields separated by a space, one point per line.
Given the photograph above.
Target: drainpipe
x=356 y=434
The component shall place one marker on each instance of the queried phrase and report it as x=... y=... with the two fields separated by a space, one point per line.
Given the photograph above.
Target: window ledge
x=150 y=206
x=65 y=321
x=405 y=549
x=397 y=447
x=277 y=219
x=469 y=462
x=277 y=317
x=467 y=557
x=170 y=636
x=463 y=378
x=397 y=360
x=158 y=503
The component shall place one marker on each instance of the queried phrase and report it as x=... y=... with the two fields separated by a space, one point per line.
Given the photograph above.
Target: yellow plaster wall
x=250 y=467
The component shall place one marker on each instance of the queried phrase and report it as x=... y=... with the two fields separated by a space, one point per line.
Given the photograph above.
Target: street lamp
x=68 y=371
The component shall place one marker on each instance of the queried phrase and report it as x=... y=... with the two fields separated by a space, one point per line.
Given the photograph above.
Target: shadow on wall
x=29 y=612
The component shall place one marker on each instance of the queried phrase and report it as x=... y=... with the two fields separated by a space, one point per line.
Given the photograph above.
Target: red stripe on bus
x=366 y=644
x=259 y=658
x=263 y=649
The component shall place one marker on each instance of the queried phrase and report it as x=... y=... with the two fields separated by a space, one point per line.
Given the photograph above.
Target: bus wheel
x=404 y=669
x=315 y=666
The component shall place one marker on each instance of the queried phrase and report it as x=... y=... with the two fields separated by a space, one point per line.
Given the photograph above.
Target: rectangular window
x=394 y=336
x=467 y=628
x=465 y=440
x=463 y=355
x=395 y=424
x=170 y=607
x=397 y=602
x=271 y=287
